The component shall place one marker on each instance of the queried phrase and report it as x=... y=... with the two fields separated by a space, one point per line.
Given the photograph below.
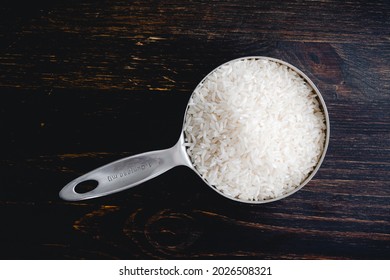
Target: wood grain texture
x=83 y=83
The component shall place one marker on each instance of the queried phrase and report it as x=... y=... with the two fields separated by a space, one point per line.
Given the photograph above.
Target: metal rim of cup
x=327 y=132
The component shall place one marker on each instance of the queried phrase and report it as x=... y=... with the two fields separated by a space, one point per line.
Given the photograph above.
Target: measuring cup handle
x=122 y=174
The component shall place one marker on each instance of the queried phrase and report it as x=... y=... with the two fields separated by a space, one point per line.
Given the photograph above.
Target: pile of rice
x=254 y=129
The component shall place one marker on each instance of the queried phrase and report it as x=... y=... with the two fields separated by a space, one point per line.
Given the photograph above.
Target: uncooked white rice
x=254 y=129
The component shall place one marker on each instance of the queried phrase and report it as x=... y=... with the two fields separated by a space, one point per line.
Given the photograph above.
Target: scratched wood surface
x=83 y=83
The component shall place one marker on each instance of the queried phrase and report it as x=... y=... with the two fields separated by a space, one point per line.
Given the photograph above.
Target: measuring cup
x=134 y=170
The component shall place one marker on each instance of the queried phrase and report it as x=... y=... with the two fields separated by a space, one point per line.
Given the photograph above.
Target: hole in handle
x=86 y=186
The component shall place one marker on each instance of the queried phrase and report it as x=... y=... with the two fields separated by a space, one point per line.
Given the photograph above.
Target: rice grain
x=254 y=129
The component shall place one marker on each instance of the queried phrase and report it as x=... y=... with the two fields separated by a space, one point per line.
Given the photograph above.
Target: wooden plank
x=83 y=84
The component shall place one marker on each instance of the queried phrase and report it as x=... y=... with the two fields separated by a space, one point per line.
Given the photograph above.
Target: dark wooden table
x=83 y=83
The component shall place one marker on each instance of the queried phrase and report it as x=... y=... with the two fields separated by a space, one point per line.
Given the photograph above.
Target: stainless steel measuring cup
x=134 y=170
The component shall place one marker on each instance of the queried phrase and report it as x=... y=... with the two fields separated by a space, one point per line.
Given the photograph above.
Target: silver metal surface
x=128 y=172
x=132 y=171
